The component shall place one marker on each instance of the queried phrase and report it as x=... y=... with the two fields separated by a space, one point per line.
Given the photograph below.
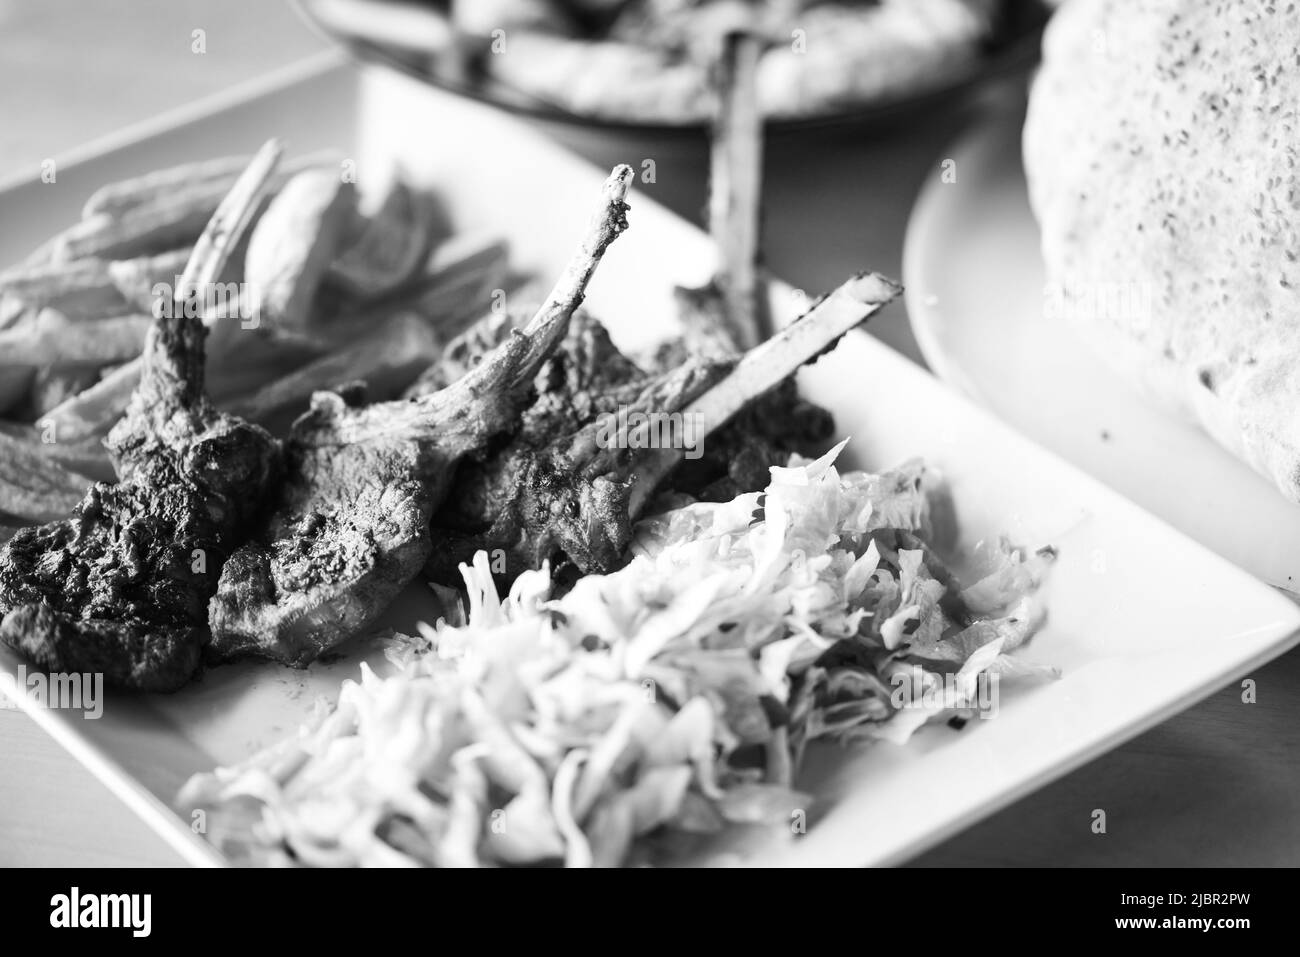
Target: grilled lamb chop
x=586 y=379
x=571 y=496
x=352 y=525
x=122 y=586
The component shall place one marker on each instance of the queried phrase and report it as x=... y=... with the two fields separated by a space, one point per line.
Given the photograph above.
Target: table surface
x=1217 y=785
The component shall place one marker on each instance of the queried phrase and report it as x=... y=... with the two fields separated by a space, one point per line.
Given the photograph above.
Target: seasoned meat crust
x=535 y=497
x=122 y=586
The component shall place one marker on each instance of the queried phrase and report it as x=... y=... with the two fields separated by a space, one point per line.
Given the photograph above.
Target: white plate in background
x=1143 y=621
x=976 y=297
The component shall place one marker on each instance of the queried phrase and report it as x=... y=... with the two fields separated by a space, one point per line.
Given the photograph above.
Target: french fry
x=243 y=357
x=90 y=414
x=293 y=244
x=392 y=246
x=387 y=362
x=467 y=297
x=115 y=198
x=44 y=253
x=54 y=339
x=461 y=253
x=135 y=278
x=452 y=307
x=141 y=230
x=234 y=214
x=462 y=281
x=7 y=532
x=86 y=457
x=54 y=384
x=159 y=222
x=80 y=289
x=215 y=176
x=35 y=487
x=239 y=371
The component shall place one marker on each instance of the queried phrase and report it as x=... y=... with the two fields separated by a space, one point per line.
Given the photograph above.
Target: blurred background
x=72 y=72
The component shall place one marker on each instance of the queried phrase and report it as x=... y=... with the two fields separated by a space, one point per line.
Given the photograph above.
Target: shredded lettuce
x=645 y=712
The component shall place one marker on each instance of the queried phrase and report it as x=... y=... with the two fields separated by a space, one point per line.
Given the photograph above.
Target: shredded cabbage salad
x=647 y=712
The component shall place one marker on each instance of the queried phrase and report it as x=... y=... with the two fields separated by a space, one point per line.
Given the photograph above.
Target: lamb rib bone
x=765 y=366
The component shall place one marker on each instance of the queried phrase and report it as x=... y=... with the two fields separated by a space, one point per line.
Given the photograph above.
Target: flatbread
x=1162 y=148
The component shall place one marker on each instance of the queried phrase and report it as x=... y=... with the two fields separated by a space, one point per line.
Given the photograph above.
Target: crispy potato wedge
x=293 y=245
x=457 y=286
x=393 y=246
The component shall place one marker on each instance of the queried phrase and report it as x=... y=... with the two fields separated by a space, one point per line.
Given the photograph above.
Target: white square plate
x=1143 y=622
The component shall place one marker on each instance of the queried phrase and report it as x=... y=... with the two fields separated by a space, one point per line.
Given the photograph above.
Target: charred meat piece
x=352 y=525
x=589 y=378
x=491 y=505
x=586 y=375
x=583 y=372
x=122 y=586
x=739 y=456
x=766 y=432
x=571 y=498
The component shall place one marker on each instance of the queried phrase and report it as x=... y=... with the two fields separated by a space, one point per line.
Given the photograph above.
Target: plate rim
x=916 y=240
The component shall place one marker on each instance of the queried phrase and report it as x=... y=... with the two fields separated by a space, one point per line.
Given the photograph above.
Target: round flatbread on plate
x=988 y=324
